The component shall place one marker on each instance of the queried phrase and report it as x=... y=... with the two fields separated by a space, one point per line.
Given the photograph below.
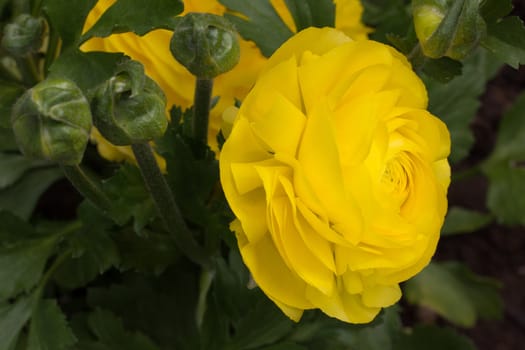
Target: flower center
x=396 y=178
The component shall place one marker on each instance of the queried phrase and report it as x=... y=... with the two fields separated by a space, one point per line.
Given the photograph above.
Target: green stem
x=52 y=49
x=201 y=109
x=88 y=186
x=28 y=70
x=166 y=205
x=205 y=282
x=37 y=6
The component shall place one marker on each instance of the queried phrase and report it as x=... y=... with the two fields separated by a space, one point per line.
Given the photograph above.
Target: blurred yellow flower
x=152 y=50
x=337 y=175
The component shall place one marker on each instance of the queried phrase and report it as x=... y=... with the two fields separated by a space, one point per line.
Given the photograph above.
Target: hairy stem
x=166 y=205
x=88 y=186
x=201 y=109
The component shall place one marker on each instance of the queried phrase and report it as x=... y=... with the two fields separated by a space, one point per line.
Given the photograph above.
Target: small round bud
x=52 y=120
x=207 y=45
x=451 y=28
x=24 y=35
x=129 y=107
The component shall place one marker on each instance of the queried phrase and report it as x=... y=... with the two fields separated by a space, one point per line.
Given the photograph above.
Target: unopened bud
x=52 y=120
x=451 y=28
x=207 y=45
x=129 y=107
x=24 y=35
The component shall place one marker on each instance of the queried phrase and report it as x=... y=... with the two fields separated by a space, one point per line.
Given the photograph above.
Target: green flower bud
x=24 y=35
x=207 y=45
x=451 y=28
x=52 y=121
x=129 y=107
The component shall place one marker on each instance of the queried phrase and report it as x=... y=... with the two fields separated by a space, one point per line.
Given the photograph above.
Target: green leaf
x=433 y=338
x=457 y=102
x=14 y=229
x=133 y=16
x=13 y=317
x=110 y=332
x=86 y=69
x=163 y=306
x=94 y=251
x=285 y=346
x=456 y=293
x=317 y=331
x=443 y=69
x=312 y=13
x=506 y=40
x=493 y=10
x=13 y=166
x=49 y=328
x=263 y=25
x=8 y=140
x=21 y=198
x=461 y=220
x=263 y=325
x=505 y=169
x=129 y=197
x=152 y=252
x=67 y=18
x=387 y=17
x=22 y=264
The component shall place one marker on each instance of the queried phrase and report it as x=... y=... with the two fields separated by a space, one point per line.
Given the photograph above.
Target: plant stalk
x=201 y=109
x=88 y=186
x=166 y=205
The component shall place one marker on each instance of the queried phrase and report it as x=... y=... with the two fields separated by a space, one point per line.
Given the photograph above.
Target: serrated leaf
x=163 y=307
x=129 y=197
x=22 y=264
x=151 y=253
x=22 y=197
x=133 y=16
x=263 y=325
x=49 y=328
x=13 y=317
x=456 y=293
x=191 y=178
x=457 y=102
x=86 y=69
x=94 y=251
x=505 y=169
x=461 y=220
x=110 y=332
x=506 y=40
x=259 y=23
x=67 y=18
x=433 y=338
x=13 y=166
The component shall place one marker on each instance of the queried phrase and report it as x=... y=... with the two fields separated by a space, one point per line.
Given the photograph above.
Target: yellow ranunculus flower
x=152 y=50
x=337 y=175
